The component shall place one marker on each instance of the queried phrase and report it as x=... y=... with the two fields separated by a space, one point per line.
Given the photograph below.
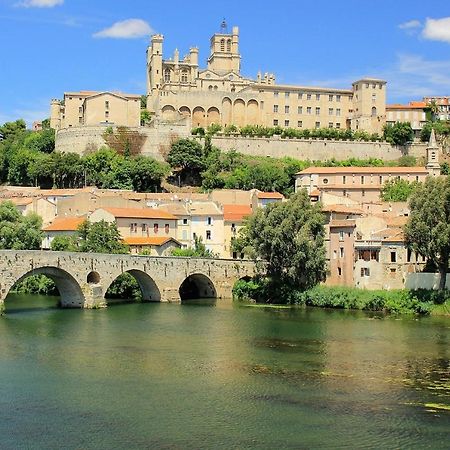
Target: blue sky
x=52 y=46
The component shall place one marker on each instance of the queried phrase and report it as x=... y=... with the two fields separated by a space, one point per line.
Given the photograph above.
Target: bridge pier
x=93 y=295
x=170 y=295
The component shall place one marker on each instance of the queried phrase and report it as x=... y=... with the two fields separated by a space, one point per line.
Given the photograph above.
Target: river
x=220 y=376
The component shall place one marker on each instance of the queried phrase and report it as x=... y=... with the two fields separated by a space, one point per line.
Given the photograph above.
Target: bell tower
x=433 y=167
x=225 y=55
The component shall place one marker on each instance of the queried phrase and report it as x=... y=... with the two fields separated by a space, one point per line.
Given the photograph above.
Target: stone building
x=413 y=113
x=220 y=94
x=90 y=108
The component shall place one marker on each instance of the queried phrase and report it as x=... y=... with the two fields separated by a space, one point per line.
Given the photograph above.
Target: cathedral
x=219 y=94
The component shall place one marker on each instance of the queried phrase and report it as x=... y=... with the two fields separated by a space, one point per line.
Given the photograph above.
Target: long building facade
x=220 y=94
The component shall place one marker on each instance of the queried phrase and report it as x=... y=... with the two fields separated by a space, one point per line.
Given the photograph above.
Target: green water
x=220 y=376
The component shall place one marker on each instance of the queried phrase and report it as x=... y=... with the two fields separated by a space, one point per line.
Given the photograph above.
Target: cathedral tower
x=225 y=55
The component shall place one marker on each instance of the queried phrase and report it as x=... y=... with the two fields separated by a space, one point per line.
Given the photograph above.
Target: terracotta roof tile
x=267 y=195
x=364 y=170
x=236 y=212
x=156 y=240
x=65 y=224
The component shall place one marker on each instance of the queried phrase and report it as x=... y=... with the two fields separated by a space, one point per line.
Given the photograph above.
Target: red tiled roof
x=344 y=209
x=377 y=170
x=145 y=213
x=156 y=240
x=65 y=224
x=276 y=195
x=236 y=212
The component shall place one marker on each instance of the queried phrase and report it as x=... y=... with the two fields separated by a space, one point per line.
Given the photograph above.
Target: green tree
x=145 y=117
x=398 y=190
x=41 y=141
x=11 y=129
x=198 y=251
x=287 y=239
x=19 y=232
x=186 y=157
x=401 y=133
x=64 y=243
x=100 y=237
x=428 y=229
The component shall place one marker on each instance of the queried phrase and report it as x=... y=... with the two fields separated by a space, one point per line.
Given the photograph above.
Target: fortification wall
x=314 y=149
x=158 y=140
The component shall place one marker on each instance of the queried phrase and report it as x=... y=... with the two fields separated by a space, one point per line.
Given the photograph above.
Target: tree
x=428 y=229
x=19 y=232
x=398 y=190
x=145 y=117
x=288 y=241
x=41 y=141
x=198 y=251
x=186 y=156
x=100 y=237
x=10 y=129
x=401 y=133
x=64 y=243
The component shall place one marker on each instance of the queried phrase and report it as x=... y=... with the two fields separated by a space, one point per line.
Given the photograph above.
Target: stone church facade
x=220 y=94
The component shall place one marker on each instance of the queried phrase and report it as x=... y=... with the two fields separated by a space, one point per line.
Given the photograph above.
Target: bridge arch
x=149 y=289
x=71 y=294
x=197 y=285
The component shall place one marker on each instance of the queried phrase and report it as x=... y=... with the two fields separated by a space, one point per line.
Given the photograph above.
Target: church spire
x=432 y=142
x=433 y=166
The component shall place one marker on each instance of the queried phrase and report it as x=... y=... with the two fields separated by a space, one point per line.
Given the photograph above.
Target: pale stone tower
x=369 y=105
x=154 y=66
x=433 y=166
x=55 y=114
x=225 y=55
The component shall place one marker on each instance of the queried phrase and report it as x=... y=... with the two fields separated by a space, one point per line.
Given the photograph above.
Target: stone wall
x=314 y=149
x=158 y=139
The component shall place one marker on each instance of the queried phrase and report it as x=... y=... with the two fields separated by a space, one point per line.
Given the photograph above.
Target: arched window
x=184 y=76
x=222 y=45
x=229 y=45
x=210 y=88
x=167 y=75
x=374 y=112
x=215 y=88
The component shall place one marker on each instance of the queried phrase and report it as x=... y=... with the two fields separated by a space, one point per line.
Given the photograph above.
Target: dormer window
x=167 y=75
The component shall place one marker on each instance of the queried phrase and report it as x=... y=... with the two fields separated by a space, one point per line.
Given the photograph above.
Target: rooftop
x=364 y=170
x=236 y=212
x=156 y=241
x=147 y=213
x=65 y=224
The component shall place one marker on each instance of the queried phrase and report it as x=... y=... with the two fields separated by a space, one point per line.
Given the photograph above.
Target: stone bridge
x=83 y=278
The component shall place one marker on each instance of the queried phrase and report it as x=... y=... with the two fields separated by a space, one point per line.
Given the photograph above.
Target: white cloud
x=437 y=29
x=40 y=3
x=126 y=29
x=412 y=24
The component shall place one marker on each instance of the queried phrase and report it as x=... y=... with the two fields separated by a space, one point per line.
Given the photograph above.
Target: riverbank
x=420 y=302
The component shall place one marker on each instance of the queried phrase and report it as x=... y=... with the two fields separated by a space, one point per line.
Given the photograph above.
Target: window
x=167 y=75
x=275 y=94
x=374 y=112
x=80 y=110
x=275 y=108
x=275 y=122
x=286 y=95
x=317 y=96
x=338 y=98
x=155 y=228
x=208 y=235
x=317 y=111
x=80 y=120
x=341 y=235
x=330 y=111
x=184 y=76
x=317 y=124
x=209 y=220
x=300 y=110
x=308 y=96
x=393 y=257
x=166 y=228
x=286 y=123
x=233 y=228
x=381 y=179
x=365 y=272
x=107 y=114
x=338 y=111
x=341 y=252
x=338 y=125
x=222 y=45
x=286 y=109
x=330 y=98
x=343 y=179
x=229 y=45
x=144 y=227
x=300 y=95
x=330 y=124
x=363 y=193
x=300 y=124
x=185 y=221
x=362 y=179
x=308 y=110
x=325 y=181
x=133 y=227
x=106 y=105
x=339 y=271
x=367 y=85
